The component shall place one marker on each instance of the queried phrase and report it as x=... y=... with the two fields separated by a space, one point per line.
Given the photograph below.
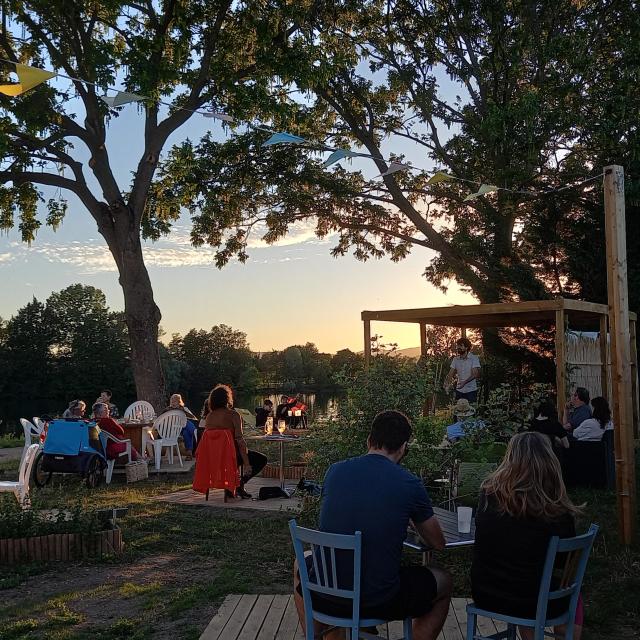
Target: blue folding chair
x=325 y=581
x=573 y=568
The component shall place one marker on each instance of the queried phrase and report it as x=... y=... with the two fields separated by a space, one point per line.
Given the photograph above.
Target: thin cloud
x=91 y=256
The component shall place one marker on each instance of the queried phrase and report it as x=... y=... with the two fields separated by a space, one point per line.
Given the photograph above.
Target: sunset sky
x=285 y=294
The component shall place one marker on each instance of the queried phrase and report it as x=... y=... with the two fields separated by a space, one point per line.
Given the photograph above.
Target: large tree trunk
x=142 y=315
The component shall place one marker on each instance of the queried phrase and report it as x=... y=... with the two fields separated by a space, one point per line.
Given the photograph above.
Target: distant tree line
x=73 y=346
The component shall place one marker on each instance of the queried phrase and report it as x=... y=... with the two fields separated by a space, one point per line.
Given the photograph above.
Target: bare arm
x=431 y=532
x=239 y=437
x=449 y=379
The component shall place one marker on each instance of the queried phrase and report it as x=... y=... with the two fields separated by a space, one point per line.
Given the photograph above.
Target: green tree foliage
x=207 y=358
x=526 y=96
x=70 y=347
x=198 y=54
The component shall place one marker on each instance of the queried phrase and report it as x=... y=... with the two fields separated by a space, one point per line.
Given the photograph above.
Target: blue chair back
x=572 y=569
x=568 y=575
x=323 y=547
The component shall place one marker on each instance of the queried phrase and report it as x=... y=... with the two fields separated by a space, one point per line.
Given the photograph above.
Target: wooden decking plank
x=273 y=618
x=451 y=630
x=289 y=622
x=459 y=606
x=239 y=616
x=256 y=618
x=219 y=621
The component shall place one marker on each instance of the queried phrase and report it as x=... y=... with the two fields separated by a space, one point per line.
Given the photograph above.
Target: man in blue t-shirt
x=375 y=495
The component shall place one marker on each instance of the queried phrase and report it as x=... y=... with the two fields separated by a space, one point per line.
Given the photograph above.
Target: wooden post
x=423 y=338
x=463 y=332
x=561 y=363
x=367 y=343
x=621 y=386
x=634 y=375
x=604 y=359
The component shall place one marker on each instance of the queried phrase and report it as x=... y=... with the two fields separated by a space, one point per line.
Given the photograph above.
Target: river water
x=319 y=405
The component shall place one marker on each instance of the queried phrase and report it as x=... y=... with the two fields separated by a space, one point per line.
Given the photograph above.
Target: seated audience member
x=108 y=424
x=592 y=429
x=105 y=396
x=222 y=415
x=264 y=412
x=75 y=410
x=282 y=410
x=188 y=433
x=523 y=504
x=577 y=410
x=462 y=411
x=545 y=421
x=375 y=495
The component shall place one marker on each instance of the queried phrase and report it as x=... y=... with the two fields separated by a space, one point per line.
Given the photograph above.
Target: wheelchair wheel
x=95 y=473
x=40 y=477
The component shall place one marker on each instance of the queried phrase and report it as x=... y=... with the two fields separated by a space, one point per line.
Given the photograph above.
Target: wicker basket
x=136 y=471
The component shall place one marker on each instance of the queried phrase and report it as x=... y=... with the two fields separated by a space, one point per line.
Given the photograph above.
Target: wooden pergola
x=560 y=312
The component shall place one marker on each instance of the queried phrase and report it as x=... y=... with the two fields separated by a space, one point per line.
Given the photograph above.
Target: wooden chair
x=325 y=581
x=573 y=568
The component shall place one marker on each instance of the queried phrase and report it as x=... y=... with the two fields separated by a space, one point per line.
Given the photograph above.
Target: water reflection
x=319 y=405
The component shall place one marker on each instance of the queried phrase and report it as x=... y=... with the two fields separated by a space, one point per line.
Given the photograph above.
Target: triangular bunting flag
x=440 y=176
x=394 y=167
x=122 y=97
x=29 y=77
x=484 y=188
x=217 y=116
x=283 y=138
x=338 y=155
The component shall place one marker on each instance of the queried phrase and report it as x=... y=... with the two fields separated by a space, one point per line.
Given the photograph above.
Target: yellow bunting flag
x=485 y=188
x=440 y=176
x=29 y=77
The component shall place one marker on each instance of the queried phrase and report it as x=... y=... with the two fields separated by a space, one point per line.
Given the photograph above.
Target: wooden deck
x=268 y=617
x=216 y=500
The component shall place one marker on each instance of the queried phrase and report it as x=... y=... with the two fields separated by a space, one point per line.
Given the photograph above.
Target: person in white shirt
x=465 y=367
x=592 y=429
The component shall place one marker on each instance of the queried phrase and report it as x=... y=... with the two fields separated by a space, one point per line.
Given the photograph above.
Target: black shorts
x=417 y=593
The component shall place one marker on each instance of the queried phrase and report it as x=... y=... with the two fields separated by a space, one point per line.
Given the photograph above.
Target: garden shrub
x=23 y=523
x=389 y=383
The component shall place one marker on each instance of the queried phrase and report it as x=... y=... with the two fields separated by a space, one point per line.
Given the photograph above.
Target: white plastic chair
x=30 y=431
x=168 y=425
x=144 y=410
x=39 y=424
x=140 y=409
x=21 y=488
x=126 y=452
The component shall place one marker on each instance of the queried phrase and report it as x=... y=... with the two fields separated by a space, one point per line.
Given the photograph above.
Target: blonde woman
x=188 y=433
x=523 y=503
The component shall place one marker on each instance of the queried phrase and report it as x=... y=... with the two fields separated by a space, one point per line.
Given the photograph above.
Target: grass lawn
x=180 y=562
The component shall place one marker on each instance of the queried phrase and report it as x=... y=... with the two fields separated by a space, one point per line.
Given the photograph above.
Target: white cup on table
x=464 y=519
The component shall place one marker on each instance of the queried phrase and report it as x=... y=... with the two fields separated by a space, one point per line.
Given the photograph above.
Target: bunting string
x=30 y=77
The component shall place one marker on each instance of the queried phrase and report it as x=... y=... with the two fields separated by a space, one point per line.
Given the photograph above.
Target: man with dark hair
x=465 y=367
x=264 y=412
x=375 y=495
x=577 y=410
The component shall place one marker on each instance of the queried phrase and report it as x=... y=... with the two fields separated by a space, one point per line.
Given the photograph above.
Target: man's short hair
x=267 y=401
x=99 y=407
x=464 y=342
x=390 y=430
x=582 y=394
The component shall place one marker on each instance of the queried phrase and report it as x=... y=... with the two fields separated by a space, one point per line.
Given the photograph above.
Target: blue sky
x=326 y=295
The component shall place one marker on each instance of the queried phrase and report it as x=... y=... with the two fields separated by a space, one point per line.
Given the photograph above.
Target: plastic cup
x=464 y=519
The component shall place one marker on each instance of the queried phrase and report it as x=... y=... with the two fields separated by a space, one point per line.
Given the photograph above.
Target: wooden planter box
x=291 y=472
x=61 y=546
